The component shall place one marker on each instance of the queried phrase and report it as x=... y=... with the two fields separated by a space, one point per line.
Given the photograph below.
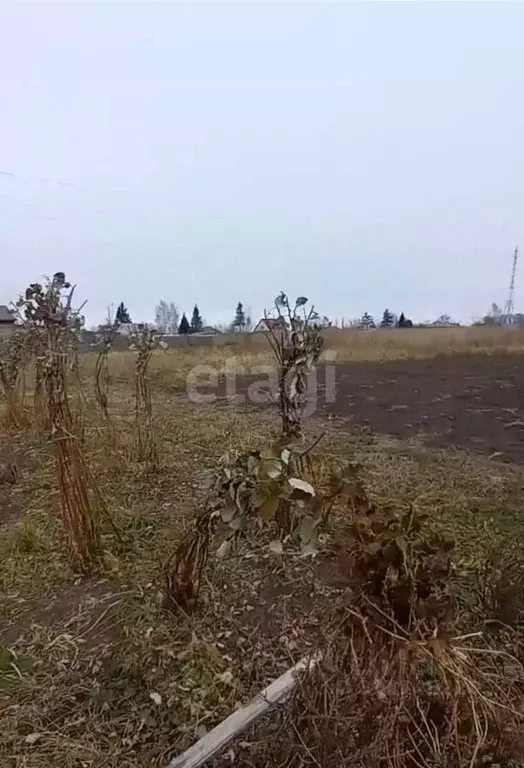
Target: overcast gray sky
x=366 y=155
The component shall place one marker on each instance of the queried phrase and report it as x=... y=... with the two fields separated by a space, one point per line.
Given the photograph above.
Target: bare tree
x=110 y=316
x=167 y=317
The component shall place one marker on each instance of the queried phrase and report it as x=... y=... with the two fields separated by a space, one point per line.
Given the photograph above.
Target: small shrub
x=247 y=492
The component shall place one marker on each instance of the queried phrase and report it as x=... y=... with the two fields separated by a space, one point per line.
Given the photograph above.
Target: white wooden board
x=217 y=740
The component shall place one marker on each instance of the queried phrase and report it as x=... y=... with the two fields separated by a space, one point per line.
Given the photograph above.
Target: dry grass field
x=94 y=673
x=345 y=346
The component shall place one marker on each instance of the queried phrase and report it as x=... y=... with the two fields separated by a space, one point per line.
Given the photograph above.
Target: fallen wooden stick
x=217 y=739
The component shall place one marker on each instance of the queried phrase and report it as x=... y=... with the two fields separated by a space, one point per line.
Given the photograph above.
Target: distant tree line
x=170 y=320
x=389 y=320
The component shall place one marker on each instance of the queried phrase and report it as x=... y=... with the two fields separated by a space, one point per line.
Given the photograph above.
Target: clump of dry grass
x=422 y=343
x=404 y=680
x=383 y=697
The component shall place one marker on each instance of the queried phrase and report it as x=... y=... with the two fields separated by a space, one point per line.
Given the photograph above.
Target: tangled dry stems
x=50 y=326
x=296 y=344
x=145 y=341
x=102 y=378
x=404 y=681
x=382 y=697
x=14 y=355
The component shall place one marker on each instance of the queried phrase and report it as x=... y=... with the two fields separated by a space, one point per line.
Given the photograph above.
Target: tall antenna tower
x=509 y=307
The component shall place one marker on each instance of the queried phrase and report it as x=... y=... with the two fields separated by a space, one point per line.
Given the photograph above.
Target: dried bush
x=145 y=341
x=13 y=359
x=53 y=324
x=402 y=682
x=39 y=395
x=296 y=343
x=183 y=570
x=102 y=377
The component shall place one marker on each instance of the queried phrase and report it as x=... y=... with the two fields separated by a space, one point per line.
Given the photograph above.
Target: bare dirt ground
x=472 y=403
x=467 y=402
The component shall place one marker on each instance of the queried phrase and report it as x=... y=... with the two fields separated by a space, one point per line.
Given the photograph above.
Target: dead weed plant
x=49 y=318
x=404 y=682
x=13 y=360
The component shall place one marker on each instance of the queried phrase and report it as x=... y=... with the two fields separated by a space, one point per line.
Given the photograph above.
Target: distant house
x=208 y=330
x=7 y=322
x=127 y=329
x=267 y=324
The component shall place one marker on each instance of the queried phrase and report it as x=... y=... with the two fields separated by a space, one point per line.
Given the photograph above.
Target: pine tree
x=367 y=321
x=387 y=319
x=196 y=321
x=239 y=323
x=184 y=328
x=404 y=322
x=122 y=315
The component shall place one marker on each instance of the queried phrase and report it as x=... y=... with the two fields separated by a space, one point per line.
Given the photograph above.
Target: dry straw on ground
x=93 y=672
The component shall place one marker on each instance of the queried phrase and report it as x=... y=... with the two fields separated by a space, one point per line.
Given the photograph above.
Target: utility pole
x=509 y=308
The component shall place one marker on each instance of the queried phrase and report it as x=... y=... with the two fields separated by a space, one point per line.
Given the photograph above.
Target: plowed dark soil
x=476 y=403
x=467 y=402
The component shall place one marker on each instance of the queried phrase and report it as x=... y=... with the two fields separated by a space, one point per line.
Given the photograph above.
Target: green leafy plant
x=273 y=489
x=397 y=561
x=269 y=487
